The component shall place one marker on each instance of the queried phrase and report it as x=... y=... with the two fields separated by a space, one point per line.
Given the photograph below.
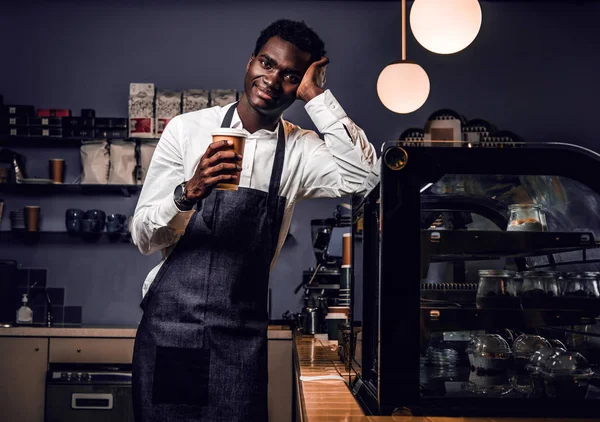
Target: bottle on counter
x=24 y=313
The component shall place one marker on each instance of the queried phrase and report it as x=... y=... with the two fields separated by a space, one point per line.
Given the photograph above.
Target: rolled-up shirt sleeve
x=339 y=164
x=155 y=221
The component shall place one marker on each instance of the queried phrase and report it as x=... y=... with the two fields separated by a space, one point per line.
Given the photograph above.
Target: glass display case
x=475 y=281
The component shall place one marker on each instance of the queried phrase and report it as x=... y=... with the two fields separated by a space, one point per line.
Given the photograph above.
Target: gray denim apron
x=201 y=347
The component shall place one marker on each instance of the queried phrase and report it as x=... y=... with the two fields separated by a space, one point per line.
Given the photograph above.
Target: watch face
x=178 y=192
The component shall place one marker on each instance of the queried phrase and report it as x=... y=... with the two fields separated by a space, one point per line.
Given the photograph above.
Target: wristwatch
x=180 y=198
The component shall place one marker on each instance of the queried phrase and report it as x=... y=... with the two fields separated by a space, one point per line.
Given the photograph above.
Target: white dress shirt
x=313 y=168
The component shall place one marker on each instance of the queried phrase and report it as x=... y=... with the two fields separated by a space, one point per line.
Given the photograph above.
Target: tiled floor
x=331 y=401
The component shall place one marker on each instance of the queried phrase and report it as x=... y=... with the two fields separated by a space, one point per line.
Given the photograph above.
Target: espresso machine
x=321 y=283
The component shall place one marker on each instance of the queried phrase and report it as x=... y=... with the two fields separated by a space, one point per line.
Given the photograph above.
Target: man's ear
x=249 y=61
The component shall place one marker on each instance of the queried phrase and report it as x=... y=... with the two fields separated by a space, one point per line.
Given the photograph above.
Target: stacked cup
x=73 y=218
x=17 y=220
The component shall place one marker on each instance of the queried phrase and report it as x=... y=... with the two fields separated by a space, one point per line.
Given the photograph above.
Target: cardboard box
x=79 y=133
x=45 y=121
x=78 y=122
x=168 y=105
x=17 y=131
x=15 y=120
x=52 y=132
x=109 y=133
x=222 y=97
x=195 y=99
x=141 y=110
x=18 y=110
x=111 y=122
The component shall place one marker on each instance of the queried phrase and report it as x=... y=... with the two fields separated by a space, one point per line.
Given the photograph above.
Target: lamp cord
x=403 y=29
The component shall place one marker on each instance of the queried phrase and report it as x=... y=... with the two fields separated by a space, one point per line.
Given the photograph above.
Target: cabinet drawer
x=91 y=350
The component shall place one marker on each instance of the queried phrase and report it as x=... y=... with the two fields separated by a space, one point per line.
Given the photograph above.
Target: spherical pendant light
x=445 y=26
x=403 y=86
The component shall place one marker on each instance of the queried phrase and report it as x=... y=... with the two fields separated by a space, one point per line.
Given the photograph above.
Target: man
x=201 y=347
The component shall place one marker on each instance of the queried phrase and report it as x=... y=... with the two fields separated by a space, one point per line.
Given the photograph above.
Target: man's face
x=273 y=76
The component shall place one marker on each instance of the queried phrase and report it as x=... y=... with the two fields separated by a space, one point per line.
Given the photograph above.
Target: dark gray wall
x=532 y=70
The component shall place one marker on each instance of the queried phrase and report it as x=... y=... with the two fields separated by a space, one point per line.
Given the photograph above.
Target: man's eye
x=265 y=63
x=292 y=78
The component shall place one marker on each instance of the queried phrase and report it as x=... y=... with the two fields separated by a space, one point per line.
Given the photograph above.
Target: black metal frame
x=391 y=305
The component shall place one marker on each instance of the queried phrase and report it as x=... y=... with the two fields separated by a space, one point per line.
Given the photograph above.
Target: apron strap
x=229 y=115
x=276 y=175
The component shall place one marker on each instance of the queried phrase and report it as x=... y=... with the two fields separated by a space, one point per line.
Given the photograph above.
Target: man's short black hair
x=293 y=32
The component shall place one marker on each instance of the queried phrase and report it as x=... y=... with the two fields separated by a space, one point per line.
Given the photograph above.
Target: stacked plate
x=17 y=220
x=442 y=357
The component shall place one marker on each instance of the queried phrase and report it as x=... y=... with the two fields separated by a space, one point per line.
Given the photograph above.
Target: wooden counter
x=332 y=401
x=275 y=332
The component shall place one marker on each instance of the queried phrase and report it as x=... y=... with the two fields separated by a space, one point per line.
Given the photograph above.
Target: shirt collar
x=236 y=122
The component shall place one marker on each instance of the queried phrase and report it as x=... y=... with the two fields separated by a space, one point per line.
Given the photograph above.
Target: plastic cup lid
x=229 y=131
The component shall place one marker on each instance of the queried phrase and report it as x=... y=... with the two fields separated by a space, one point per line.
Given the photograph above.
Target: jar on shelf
x=495 y=290
x=540 y=288
x=527 y=218
x=581 y=285
x=515 y=285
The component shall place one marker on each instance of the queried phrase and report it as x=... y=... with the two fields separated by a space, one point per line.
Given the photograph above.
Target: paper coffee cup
x=238 y=137
x=57 y=170
x=32 y=217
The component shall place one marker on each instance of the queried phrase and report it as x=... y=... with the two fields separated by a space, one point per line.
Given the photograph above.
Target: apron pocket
x=181 y=376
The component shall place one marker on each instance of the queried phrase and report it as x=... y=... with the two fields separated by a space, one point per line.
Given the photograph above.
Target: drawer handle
x=37 y=349
x=78 y=350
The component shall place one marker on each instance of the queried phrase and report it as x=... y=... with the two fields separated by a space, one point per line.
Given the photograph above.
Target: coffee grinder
x=321 y=283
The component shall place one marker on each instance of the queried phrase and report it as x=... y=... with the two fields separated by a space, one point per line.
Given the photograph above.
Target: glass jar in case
x=540 y=289
x=526 y=218
x=582 y=285
x=496 y=289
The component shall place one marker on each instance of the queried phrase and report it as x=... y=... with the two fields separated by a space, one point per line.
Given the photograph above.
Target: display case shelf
x=76 y=188
x=449 y=319
x=22 y=237
x=471 y=245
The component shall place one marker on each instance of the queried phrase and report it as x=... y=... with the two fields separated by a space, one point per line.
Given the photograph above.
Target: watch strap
x=181 y=202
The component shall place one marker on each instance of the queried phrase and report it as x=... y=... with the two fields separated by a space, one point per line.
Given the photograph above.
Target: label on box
x=60 y=112
x=161 y=124
x=141 y=127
